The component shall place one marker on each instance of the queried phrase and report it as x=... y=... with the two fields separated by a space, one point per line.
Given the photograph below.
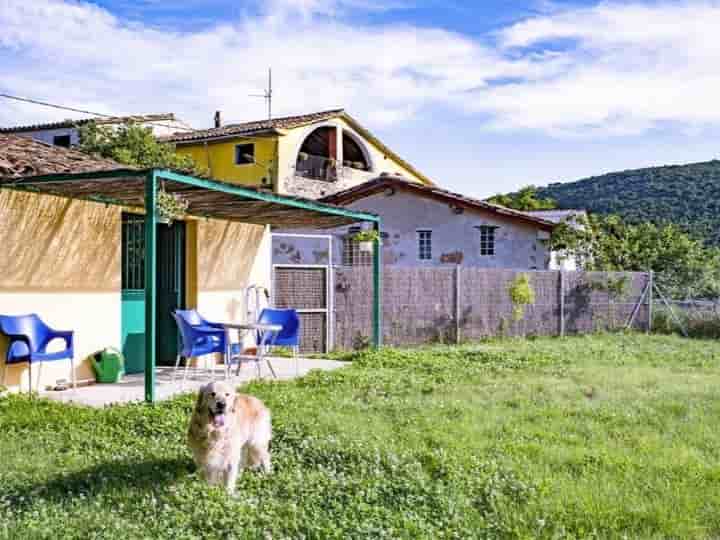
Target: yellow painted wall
x=219 y=159
x=276 y=157
x=230 y=256
x=61 y=260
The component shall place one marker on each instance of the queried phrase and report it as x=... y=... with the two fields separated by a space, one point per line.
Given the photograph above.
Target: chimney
x=218 y=123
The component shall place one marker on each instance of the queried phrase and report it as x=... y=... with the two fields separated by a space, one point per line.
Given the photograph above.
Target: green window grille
x=133 y=259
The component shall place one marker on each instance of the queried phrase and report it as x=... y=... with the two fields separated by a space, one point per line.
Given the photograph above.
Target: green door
x=170 y=290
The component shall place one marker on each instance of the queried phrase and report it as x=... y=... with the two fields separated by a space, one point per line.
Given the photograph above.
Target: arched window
x=318 y=155
x=353 y=155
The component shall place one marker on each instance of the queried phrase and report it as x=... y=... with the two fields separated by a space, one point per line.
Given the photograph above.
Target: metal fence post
x=562 y=303
x=457 y=304
x=650 y=301
x=377 y=289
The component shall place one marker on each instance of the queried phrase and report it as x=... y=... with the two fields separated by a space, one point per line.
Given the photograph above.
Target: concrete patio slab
x=132 y=387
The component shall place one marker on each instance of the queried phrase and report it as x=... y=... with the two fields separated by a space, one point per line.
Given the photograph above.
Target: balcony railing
x=316 y=167
x=322 y=168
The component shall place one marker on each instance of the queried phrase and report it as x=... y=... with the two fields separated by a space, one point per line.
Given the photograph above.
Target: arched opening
x=353 y=154
x=318 y=155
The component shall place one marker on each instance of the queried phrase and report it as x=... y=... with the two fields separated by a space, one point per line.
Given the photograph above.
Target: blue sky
x=484 y=97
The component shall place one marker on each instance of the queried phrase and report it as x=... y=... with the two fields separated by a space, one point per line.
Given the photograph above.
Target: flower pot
x=366 y=246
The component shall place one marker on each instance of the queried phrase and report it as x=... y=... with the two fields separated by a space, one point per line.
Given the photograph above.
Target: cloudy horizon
x=483 y=100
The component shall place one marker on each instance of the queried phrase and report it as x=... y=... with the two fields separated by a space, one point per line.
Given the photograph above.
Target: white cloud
x=628 y=67
x=612 y=69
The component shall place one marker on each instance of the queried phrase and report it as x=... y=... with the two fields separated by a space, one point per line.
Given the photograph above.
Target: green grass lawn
x=591 y=437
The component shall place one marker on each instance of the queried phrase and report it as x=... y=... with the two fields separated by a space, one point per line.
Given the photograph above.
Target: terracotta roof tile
x=23 y=156
x=250 y=128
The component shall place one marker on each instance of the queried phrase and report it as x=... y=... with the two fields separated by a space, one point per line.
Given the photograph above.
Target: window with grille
x=424 y=243
x=487 y=239
x=352 y=255
x=133 y=256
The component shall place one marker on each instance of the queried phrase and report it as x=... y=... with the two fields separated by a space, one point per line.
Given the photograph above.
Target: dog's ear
x=235 y=401
x=200 y=399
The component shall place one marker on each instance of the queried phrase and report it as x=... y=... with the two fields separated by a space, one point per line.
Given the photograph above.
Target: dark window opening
x=353 y=156
x=424 y=239
x=318 y=155
x=244 y=154
x=62 y=140
x=487 y=239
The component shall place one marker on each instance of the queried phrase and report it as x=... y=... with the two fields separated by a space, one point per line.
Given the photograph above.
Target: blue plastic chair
x=28 y=338
x=198 y=337
x=289 y=336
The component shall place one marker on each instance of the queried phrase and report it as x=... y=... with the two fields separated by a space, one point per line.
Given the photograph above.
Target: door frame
x=133 y=317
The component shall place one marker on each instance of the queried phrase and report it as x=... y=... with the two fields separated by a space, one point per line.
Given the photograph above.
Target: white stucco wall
x=454 y=236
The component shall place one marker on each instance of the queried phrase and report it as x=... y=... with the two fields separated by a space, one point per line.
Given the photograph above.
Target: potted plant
x=303 y=156
x=366 y=239
x=171 y=206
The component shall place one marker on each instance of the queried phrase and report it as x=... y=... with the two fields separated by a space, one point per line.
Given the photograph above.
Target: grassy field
x=592 y=437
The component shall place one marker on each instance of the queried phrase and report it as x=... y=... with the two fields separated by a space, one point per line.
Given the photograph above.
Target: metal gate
x=302 y=280
x=307 y=290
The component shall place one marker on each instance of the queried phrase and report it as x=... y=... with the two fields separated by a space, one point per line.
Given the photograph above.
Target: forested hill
x=688 y=195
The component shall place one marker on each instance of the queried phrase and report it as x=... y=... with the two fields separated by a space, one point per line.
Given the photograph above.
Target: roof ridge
x=69 y=122
x=239 y=128
x=374 y=183
x=284 y=118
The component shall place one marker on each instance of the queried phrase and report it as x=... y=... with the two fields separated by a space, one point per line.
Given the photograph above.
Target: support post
x=650 y=301
x=457 y=305
x=640 y=302
x=671 y=310
x=377 y=289
x=562 y=303
x=151 y=189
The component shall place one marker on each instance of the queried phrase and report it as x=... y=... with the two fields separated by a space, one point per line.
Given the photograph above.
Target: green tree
x=684 y=267
x=135 y=145
x=525 y=199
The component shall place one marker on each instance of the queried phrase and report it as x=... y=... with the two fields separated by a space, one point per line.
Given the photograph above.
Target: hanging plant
x=366 y=239
x=171 y=206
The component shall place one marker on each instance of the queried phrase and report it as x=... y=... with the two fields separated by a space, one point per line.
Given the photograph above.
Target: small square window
x=487 y=239
x=244 y=154
x=424 y=239
x=62 y=140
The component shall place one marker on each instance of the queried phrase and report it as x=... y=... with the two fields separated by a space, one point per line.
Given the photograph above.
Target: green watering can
x=109 y=365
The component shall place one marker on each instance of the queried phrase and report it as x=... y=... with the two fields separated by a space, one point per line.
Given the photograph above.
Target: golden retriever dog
x=228 y=432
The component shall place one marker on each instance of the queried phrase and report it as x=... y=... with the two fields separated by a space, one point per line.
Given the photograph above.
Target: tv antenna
x=267 y=94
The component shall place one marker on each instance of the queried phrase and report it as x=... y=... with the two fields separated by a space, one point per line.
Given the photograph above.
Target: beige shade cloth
x=226 y=253
x=53 y=243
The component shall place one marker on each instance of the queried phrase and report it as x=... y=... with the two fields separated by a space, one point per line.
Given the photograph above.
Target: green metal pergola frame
x=152 y=177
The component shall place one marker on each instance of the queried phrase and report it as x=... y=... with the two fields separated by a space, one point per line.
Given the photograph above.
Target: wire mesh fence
x=450 y=305
x=693 y=318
